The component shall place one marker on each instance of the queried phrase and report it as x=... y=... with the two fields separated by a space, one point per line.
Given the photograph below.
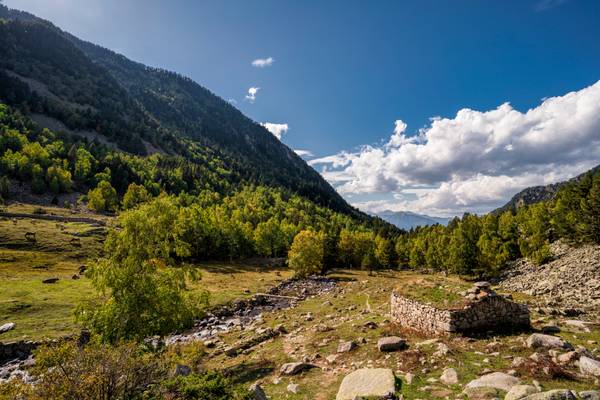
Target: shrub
x=103 y=198
x=209 y=385
x=306 y=254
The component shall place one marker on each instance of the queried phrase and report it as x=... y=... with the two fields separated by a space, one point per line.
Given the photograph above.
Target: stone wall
x=489 y=312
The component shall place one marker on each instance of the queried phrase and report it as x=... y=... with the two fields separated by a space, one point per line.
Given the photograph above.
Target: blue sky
x=345 y=71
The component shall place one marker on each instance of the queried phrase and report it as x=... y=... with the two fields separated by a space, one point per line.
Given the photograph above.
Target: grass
x=46 y=310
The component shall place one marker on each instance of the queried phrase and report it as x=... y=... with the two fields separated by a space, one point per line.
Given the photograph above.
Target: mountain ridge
x=407 y=219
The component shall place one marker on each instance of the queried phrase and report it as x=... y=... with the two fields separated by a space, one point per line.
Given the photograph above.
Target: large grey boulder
x=295 y=368
x=496 y=380
x=377 y=383
x=391 y=343
x=518 y=392
x=557 y=394
x=541 y=341
x=589 y=366
x=7 y=327
x=589 y=395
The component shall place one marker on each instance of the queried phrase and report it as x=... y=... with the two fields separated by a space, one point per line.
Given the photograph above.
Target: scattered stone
x=581 y=325
x=295 y=368
x=371 y=325
x=182 y=370
x=75 y=277
x=442 y=350
x=589 y=366
x=539 y=340
x=518 y=392
x=331 y=359
x=482 y=393
x=550 y=329
x=391 y=343
x=449 y=376
x=347 y=346
x=257 y=392
x=293 y=388
x=376 y=383
x=408 y=378
x=567 y=358
x=50 y=280
x=496 y=380
x=7 y=327
x=558 y=394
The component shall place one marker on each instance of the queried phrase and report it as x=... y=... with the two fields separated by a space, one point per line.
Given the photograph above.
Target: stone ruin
x=484 y=310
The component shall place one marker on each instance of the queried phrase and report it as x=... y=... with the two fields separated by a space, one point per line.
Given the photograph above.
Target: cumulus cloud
x=276 y=129
x=303 y=153
x=263 y=62
x=251 y=96
x=478 y=159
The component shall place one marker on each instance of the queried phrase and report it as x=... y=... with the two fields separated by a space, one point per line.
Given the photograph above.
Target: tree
x=369 y=261
x=141 y=281
x=4 y=187
x=103 y=198
x=306 y=254
x=385 y=252
x=268 y=238
x=535 y=232
x=135 y=195
x=464 y=253
x=84 y=163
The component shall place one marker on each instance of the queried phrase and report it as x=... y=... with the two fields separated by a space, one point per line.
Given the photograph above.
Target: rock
x=442 y=350
x=293 y=388
x=520 y=391
x=558 y=394
x=257 y=392
x=449 y=377
x=295 y=368
x=391 y=343
x=482 y=285
x=182 y=370
x=370 y=325
x=331 y=359
x=7 y=327
x=408 y=378
x=567 y=358
x=377 y=383
x=496 y=380
x=581 y=325
x=345 y=347
x=75 y=277
x=589 y=395
x=539 y=340
x=481 y=393
x=517 y=362
x=50 y=280
x=550 y=329
x=589 y=366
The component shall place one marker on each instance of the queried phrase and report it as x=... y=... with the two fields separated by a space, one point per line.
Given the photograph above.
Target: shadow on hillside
x=249 y=371
x=237 y=268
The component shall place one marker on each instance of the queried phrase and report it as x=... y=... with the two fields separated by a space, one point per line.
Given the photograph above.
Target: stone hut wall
x=491 y=312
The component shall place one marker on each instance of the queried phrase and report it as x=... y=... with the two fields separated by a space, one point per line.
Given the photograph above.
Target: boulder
x=568 y=357
x=589 y=366
x=557 y=394
x=391 y=343
x=577 y=324
x=589 y=395
x=482 y=393
x=182 y=370
x=496 y=380
x=295 y=368
x=7 y=327
x=257 y=392
x=518 y=392
x=345 y=347
x=449 y=377
x=550 y=329
x=377 y=383
x=539 y=340
x=50 y=280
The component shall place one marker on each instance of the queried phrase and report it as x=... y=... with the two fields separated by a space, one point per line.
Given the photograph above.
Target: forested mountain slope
x=536 y=194
x=44 y=70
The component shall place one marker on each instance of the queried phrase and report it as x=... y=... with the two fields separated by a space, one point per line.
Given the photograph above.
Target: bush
x=209 y=385
x=103 y=198
x=306 y=254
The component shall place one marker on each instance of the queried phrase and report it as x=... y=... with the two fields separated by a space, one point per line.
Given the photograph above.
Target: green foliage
x=269 y=238
x=142 y=283
x=135 y=195
x=209 y=385
x=103 y=198
x=385 y=252
x=4 y=187
x=306 y=254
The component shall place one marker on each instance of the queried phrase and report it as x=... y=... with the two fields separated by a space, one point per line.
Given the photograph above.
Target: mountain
x=407 y=220
x=63 y=82
x=536 y=194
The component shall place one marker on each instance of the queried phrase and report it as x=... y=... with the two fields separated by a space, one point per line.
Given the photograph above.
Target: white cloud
x=263 y=62
x=251 y=96
x=476 y=160
x=276 y=129
x=304 y=153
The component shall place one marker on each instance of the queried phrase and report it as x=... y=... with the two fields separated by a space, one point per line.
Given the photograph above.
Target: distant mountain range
x=407 y=220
